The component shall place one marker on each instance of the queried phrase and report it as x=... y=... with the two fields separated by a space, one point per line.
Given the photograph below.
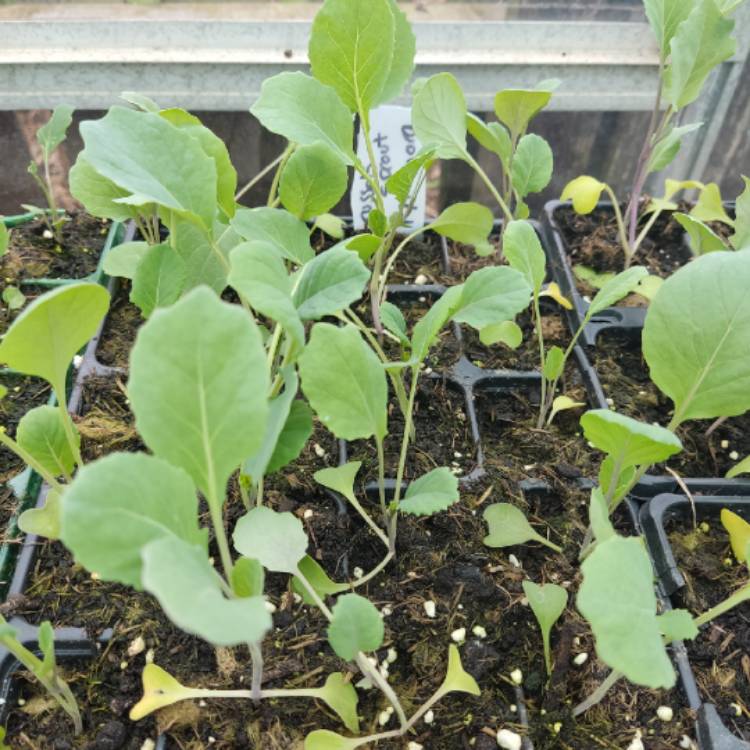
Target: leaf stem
x=28 y=459
x=272 y=193
x=598 y=694
x=258 y=177
x=738 y=597
x=488 y=182
x=382 y=284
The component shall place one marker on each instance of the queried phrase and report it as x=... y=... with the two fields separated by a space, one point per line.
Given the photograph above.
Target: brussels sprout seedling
x=547 y=602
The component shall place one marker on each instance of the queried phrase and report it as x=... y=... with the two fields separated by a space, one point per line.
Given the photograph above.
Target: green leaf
x=318 y=579
x=160 y=690
x=393 y=321
x=457 y=679
x=743 y=467
x=44 y=521
x=703 y=239
x=344 y=382
x=122 y=260
x=469 y=223
x=140 y=101
x=339 y=694
x=563 y=403
x=618 y=600
x=554 y=362
x=648 y=286
x=159 y=279
x=365 y=245
x=665 y=16
x=204 y=259
x=154 y=161
x=435 y=491
x=41 y=433
x=356 y=626
x=118 y=504
x=532 y=165
x=52 y=133
x=710 y=206
x=438 y=115
x=701 y=42
x=402 y=62
x=491 y=135
x=516 y=108
x=277 y=540
x=677 y=625
x=99 y=194
x=247 y=577
x=313 y=181
x=46 y=336
x=377 y=222
x=340 y=479
x=285 y=232
x=547 y=602
x=198 y=384
x=508 y=526
x=295 y=434
x=612 y=290
x=401 y=182
x=324 y=739
x=258 y=273
x=13 y=297
x=4 y=243
x=628 y=441
x=329 y=283
x=741 y=238
x=522 y=248
x=351 y=49
x=492 y=295
x=701 y=319
x=508 y=332
x=332 y=225
x=189 y=591
x=431 y=323
x=668 y=147
x=305 y=111
x=592 y=277
x=585 y=192
x=599 y=520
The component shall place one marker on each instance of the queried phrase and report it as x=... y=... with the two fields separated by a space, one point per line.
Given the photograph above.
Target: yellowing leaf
x=561 y=403
x=456 y=678
x=160 y=689
x=739 y=533
x=585 y=192
x=553 y=290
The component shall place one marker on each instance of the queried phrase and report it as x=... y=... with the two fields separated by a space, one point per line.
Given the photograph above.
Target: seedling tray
x=713 y=734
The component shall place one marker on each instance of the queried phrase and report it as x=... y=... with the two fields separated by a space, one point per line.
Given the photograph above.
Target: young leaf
x=52 y=133
x=522 y=248
x=332 y=225
x=623 y=479
x=547 y=602
x=469 y=223
x=457 y=679
x=435 y=491
x=739 y=533
x=140 y=101
x=41 y=433
x=305 y=111
x=553 y=363
x=703 y=239
x=492 y=135
x=160 y=690
x=709 y=340
x=340 y=478
x=438 y=115
x=46 y=336
x=317 y=578
x=158 y=280
x=743 y=467
x=508 y=526
x=532 y=165
x=741 y=238
x=198 y=384
x=628 y=441
x=599 y=515
x=563 y=403
x=324 y=739
x=665 y=16
x=618 y=600
x=118 y=504
x=247 y=577
x=296 y=432
x=615 y=288
x=204 y=259
x=356 y=626
x=339 y=694
x=648 y=286
x=377 y=222
x=122 y=260
x=351 y=49
x=508 y=332
x=595 y=279
x=400 y=183
x=285 y=232
x=189 y=591
x=585 y=192
x=277 y=540
x=668 y=147
x=99 y=194
x=365 y=245
x=313 y=181
x=552 y=290
x=516 y=108
x=13 y=297
x=677 y=625
x=4 y=243
x=402 y=62
x=44 y=521
x=492 y=295
x=393 y=321
x=430 y=324
x=344 y=382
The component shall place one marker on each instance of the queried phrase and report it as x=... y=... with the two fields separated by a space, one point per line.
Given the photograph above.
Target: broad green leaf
x=276 y=540
x=339 y=694
x=615 y=288
x=438 y=115
x=44 y=521
x=99 y=194
x=305 y=111
x=198 y=384
x=344 y=382
x=554 y=361
x=677 y=625
x=709 y=206
x=318 y=579
x=140 y=101
x=258 y=273
x=491 y=135
x=665 y=16
x=547 y=602
x=648 y=286
x=189 y=590
x=701 y=42
x=13 y=297
x=618 y=600
x=340 y=478
x=709 y=340
x=492 y=295
x=522 y=248
x=46 y=336
x=508 y=526
x=313 y=181
x=669 y=146
x=624 y=480
x=122 y=260
x=743 y=467
x=508 y=332
x=41 y=433
x=247 y=577
x=515 y=108
x=585 y=192
x=435 y=491
x=628 y=441
x=591 y=277
x=402 y=62
x=599 y=511
x=205 y=260
x=52 y=133
x=287 y=233
x=739 y=533
x=401 y=182
x=432 y=322
x=160 y=690
x=563 y=403
x=469 y=223
x=159 y=279
x=329 y=283
x=351 y=49
x=377 y=222
x=457 y=679
x=118 y=504
x=294 y=435
x=741 y=238
x=324 y=739
x=154 y=161
x=393 y=321
x=332 y=225
x=531 y=170
x=356 y=626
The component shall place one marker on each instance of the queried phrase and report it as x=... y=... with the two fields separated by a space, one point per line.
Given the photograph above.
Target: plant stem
x=217 y=520
x=257 y=658
x=598 y=694
x=378 y=679
x=380 y=566
x=488 y=182
x=272 y=193
x=381 y=478
x=62 y=403
x=540 y=341
x=742 y=595
x=620 y=226
x=407 y=431
x=392 y=259
x=258 y=177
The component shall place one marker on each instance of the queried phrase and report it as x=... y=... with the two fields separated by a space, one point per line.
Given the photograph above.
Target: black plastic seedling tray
x=713 y=734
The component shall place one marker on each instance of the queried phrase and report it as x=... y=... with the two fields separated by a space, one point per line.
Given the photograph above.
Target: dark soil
x=123 y=321
x=720 y=655
x=624 y=376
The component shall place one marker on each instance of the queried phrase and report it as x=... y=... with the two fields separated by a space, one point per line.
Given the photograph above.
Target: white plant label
x=394 y=143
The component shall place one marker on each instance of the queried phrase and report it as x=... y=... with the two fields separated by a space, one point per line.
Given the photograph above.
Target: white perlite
x=637 y=743
x=137 y=646
x=429 y=717
x=509 y=740
x=665 y=713
x=581 y=659
x=459 y=635
x=517 y=676
x=429 y=608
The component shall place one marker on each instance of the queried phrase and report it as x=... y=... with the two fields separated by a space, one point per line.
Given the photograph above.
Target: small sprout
x=517 y=676
x=459 y=635
x=509 y=740
x=479 y=631
x=429 y=608
x=665 y=713
x=429 y=717
x=581 y=659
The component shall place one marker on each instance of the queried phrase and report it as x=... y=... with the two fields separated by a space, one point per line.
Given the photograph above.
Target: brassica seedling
x=547 y=602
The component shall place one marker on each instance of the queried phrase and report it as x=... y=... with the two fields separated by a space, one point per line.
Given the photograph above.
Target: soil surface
x=720 y=655
x=120 y=329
